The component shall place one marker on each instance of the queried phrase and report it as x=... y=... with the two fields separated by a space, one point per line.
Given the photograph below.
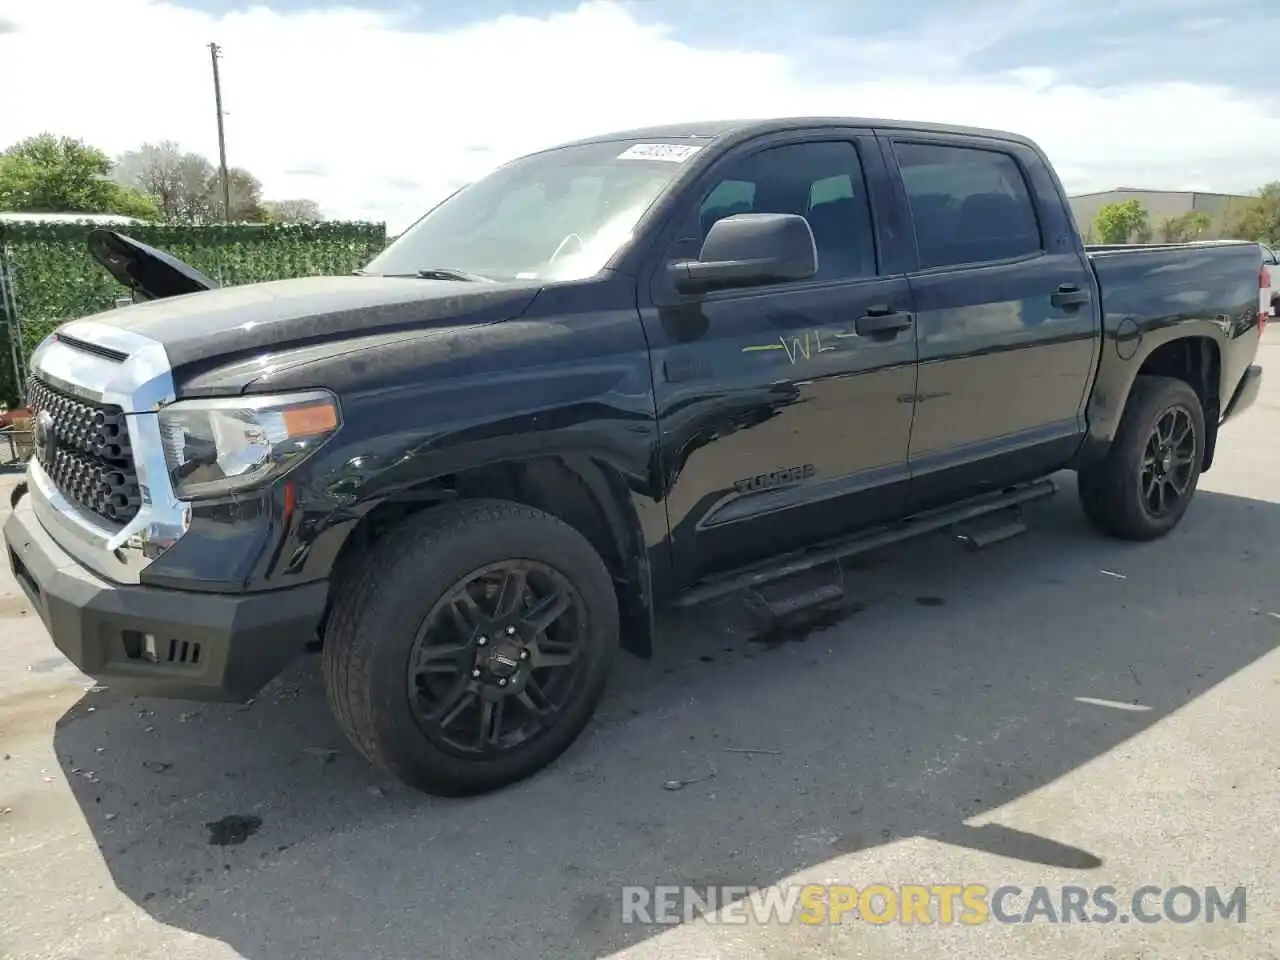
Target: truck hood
x=231 y=322
x=150 y=274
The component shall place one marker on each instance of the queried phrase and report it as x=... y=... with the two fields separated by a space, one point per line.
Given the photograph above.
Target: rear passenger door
x=1006 y=314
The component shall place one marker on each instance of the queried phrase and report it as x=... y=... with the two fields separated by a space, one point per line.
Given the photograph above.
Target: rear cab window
x=969 y=205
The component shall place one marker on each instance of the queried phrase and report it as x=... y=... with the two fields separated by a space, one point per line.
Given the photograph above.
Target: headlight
x=215 y=447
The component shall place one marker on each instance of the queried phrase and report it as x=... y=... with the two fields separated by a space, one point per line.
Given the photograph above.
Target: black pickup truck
x=637 y=370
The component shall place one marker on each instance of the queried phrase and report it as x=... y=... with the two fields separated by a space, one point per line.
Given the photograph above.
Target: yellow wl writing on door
x=799 y=348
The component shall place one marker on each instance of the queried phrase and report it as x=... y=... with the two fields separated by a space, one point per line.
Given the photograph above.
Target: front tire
x=472 y=647
x=1143 y=486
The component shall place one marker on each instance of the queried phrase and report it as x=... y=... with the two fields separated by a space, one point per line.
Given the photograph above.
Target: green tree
x=51 y=174
x=132 y=203
x=1185 y=228
x=1123 y=222
x=1256 y=219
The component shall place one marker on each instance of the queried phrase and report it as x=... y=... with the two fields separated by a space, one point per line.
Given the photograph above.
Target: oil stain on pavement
x=232 y=830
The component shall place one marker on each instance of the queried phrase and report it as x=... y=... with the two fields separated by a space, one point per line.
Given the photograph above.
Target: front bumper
x=152 y=641
x=1246 y=393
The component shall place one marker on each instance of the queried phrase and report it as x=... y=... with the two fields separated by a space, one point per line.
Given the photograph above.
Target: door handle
x=881 y=320
x=1069 y=295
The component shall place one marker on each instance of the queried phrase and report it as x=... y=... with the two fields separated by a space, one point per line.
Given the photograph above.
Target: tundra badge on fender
x=775 y=478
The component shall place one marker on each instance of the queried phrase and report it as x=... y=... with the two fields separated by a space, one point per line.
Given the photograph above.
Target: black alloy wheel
x=1141 y=488
x=496 y=658
x=470 y=645
x=1168 y=462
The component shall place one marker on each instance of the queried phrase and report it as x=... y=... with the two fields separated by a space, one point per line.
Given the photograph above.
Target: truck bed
x=1146 y=290
x=1206 y=281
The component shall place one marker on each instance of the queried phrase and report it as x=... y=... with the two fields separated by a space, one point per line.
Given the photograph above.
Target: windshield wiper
x=442 y=273
x=435 y=273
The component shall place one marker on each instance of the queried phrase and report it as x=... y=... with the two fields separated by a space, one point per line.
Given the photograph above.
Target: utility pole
x=214 y=52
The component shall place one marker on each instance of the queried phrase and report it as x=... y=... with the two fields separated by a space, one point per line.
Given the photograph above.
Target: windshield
x=558 y=215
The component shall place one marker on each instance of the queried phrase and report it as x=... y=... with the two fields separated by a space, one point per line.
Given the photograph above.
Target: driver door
x=780 y=425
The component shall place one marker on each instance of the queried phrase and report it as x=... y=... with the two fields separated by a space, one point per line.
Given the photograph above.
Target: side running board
x=963 y=520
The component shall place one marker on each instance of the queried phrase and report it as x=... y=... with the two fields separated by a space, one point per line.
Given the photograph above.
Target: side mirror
x=749 y=249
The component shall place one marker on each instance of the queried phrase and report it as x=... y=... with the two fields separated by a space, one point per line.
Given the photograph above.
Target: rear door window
x=968 y=205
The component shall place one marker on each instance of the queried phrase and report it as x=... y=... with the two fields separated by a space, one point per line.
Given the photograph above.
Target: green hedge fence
x=55 y=279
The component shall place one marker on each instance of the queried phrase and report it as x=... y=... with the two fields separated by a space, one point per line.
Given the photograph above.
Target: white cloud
x=376 y=120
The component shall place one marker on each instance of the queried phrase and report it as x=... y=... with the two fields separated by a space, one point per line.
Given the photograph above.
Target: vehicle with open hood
x=639 y=370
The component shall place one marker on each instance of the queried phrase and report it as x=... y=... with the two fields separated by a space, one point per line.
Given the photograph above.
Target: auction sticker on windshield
x=671 y=152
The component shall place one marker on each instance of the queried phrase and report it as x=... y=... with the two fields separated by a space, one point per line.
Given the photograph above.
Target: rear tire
x=1143 y=486
x=390 y=674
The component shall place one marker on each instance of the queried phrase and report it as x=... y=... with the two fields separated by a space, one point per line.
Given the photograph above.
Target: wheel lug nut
x=502 y=682
x=524 y=654
x=482 y=641
x=475 y=673
x=511 y=631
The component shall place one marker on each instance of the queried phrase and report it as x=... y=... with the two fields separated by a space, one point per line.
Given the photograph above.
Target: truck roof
x=717 y=130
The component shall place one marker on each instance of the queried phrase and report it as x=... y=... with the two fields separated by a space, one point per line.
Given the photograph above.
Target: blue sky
x=1101 y=43
x=375 y=109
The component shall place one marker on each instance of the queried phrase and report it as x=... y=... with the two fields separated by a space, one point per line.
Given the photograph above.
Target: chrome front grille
x=100 y=486
x=85 y=449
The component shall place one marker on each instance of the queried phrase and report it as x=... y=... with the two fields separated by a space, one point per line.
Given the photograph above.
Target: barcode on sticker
x=671 y=152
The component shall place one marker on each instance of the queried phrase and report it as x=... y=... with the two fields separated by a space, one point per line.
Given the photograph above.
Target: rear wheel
x=472 y=647
x=1144 y=485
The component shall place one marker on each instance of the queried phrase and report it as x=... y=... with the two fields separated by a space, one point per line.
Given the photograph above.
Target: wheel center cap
x=1166 y=461
x=504 y=660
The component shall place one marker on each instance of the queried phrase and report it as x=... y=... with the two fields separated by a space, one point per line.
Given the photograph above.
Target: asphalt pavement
x=1058 y=709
